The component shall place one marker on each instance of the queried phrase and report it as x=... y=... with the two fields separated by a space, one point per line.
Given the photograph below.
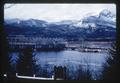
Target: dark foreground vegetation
x=111 y=68
x=26 y=66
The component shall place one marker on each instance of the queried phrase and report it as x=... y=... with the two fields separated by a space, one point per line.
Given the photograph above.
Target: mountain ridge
x=89 y=27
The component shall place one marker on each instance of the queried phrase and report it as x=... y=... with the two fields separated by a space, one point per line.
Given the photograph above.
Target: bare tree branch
x=6 y=6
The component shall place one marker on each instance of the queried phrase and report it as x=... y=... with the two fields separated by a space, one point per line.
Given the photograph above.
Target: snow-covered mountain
x=29 y=22
x=12 y=21
x=105 y=18
x=64 y=22
x=106 y=15
x=102 y=25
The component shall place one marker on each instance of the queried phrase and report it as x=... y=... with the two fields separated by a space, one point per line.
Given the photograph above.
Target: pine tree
x=5 y=66
x=26 y=63
x=110 y=71
x=84 y=74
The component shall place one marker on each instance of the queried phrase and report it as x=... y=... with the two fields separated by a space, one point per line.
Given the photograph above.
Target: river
x=71 y=59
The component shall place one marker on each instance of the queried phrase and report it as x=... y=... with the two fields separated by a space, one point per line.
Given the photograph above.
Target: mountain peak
x=106 y=13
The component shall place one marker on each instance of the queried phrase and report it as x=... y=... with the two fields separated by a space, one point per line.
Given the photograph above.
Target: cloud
x=54 y=12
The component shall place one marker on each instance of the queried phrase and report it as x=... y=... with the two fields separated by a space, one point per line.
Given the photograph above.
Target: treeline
x=63 y=31
x=26 y=64
x=49 y=47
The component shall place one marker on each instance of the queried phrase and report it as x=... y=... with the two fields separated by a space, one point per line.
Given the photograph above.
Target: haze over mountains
x=102 y=26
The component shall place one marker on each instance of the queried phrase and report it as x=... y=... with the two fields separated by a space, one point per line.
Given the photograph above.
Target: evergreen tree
x=26 y=64
x=111 y=68
x=84 y=74
x=5 y=59
x=5 y=66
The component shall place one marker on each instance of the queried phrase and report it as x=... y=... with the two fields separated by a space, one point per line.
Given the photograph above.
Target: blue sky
x=54 y=12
